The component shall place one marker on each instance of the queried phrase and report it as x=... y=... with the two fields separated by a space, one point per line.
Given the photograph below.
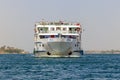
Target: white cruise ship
x=57 y=39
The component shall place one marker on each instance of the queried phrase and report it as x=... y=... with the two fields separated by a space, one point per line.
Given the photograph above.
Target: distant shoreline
x=15 y=53
x=12 y=50
x=103 y=52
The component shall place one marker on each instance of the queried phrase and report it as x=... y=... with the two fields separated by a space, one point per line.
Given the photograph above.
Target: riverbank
x=102 y=51
x=8 y=50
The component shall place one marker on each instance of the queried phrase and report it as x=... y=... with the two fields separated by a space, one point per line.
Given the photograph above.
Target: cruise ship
x=57 y=39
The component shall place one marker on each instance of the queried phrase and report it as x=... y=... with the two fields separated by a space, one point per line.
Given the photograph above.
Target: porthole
x=42 y=45
x=75 y=45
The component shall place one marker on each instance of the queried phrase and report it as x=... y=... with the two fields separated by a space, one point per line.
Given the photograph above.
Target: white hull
x=58 y=48
x=44 y=54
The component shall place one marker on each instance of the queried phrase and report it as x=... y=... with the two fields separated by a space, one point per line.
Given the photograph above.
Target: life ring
x=77 y=29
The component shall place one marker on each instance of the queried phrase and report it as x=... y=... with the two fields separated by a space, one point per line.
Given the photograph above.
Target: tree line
x=8 y=49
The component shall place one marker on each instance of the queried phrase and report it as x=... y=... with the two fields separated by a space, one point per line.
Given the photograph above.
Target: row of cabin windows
x=42 y=45
x=56 y=36
x=58 y=28
x=45 y=29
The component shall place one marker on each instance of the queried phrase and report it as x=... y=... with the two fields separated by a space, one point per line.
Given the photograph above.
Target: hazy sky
x=100 y=20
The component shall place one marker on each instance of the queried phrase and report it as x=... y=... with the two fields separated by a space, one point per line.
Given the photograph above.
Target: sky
x=100 y=20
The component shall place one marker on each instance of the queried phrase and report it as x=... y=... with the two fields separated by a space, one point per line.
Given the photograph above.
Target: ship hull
x=58 y=49
x=44 y=54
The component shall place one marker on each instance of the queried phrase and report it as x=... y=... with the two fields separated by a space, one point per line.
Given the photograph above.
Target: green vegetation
x=8 y=49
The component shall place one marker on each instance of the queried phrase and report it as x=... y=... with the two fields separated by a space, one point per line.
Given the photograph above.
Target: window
x=58 y=28
x=64 y=29
x=52 y=28
x=41 y=36
x=75 y=45
x=42 y=45
x=72 y=29
x=46 y=36
x=63 y=36
x=52 y=36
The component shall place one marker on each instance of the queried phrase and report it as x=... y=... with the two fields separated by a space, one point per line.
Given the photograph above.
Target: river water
x=87 y=67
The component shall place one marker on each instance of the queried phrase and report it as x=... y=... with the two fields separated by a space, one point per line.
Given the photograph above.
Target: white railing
x=63 y=32
x=59 y=39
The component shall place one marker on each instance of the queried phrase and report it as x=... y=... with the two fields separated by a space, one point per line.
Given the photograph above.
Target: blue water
x=87 y=67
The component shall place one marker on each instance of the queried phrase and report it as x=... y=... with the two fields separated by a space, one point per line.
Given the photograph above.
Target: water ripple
x=87 y=67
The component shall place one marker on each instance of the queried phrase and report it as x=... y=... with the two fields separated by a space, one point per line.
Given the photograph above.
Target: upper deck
x=53 y=28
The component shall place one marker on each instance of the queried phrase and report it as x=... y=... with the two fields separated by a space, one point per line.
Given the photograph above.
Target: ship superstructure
x=57 y=39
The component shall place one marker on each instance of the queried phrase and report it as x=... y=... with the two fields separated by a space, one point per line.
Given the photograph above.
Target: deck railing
x=71 y=32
